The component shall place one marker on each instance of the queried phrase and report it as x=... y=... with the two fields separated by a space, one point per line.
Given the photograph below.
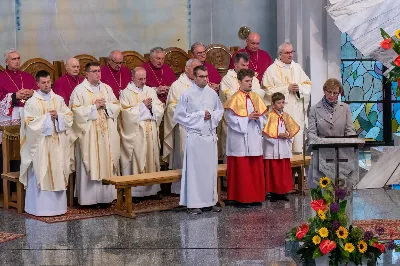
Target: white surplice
x=97 y=145
x=200 y=163
x=277 y=148
x=140 y=135
x=45 y=154
x=174 y=134
x=277 y=79
x=244 y=136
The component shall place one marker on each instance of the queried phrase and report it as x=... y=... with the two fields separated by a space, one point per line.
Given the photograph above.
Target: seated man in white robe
x=44 y=150
x=174 y=134
x=141 y=116
x=199 y=110
x=97 y=145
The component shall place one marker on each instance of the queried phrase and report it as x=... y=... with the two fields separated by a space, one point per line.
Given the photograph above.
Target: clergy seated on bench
x=141 y=116
x=44 y=152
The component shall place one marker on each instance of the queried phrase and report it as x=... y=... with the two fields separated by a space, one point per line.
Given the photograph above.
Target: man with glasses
x=96 y=111
x=287 y=77
x=259 y=59
x=199 y=52
x=114 y=74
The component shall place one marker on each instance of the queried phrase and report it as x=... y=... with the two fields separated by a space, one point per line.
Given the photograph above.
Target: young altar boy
x=278 y=134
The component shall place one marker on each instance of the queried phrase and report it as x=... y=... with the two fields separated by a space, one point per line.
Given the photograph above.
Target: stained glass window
x=368 y=120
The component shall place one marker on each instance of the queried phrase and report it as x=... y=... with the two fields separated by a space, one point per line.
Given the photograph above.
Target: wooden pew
x=1 y=68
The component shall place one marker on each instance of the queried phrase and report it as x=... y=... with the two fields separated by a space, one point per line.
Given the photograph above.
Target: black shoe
x=230 y=203
x=257 y=204
x=174 y=195
x=273 y=197
x=268 y=196
x=104 y=205
x=137 y=199
x=284 y=197
x=156 y=197
x=206 y=209
x=194 y=211
x=216 y=209
x=243 y=205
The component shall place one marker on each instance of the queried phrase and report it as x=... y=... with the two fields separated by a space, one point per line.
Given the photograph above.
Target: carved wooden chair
x=11 y=148
x=83 y=60
x=220 y=56
x=1 y=68
x=133 y=59
x=34 y=65
x=176 y=58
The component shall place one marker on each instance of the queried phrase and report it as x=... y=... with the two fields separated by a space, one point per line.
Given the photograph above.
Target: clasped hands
x=23 y=94
x=293 y=87
x=100 y=103
x=148 y=102
x=53 y=115
x=254 y=115
x=284 y=135
x=162 y=90
x=214 y=86
x=207 y=115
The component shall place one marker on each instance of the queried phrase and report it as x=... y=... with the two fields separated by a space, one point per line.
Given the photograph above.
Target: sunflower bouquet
x=329 y=234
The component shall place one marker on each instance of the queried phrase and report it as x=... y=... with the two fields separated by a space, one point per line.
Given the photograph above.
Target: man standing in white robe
x=288 y=78
x=141 y=116
x=199 y=110
x=44 y=150
x=96 y=111
x=175 y=134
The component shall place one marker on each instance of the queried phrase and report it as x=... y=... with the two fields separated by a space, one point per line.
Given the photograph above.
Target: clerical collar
x=94 y=86
x=153 y=66
x=250 y=52
x=11 y=71
x=136 y=88
x=45 y=96
x=113 y=70
x=197 y=87
x=74 y=77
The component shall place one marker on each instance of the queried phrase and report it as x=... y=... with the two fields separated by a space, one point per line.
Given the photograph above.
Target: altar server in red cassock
x=278 y=135
x=67 y=82
x=114 y=74
x=160 y=76
x=244 y=113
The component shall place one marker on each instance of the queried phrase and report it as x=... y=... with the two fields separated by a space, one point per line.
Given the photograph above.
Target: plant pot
x=324 y=260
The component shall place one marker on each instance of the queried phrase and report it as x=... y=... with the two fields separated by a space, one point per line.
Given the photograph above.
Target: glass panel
x=362 y=80
x=395 y=118
x=368 y=120
x=348 y=50
x=395 y=93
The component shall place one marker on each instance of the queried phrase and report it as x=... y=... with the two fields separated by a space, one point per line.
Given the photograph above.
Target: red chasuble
x=246 y=181
x=156 y=77
x=65 y=85
x=117 y=80
x=259 y=61
x=13 y=81
x=213 y=75
x=278 y=176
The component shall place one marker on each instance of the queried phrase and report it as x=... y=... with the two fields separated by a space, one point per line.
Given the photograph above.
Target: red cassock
x=65 y=85
x=117 y=80
x=259 y=61
x=246 y=181
x=13 y=81
x=213 y=75
x=156 y=77
x=278 y=176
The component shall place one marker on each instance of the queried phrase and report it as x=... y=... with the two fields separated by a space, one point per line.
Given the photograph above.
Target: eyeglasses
x=117 y=63
x=332 y=93
x=288 y=53
x=201 y=53
x=95 y=71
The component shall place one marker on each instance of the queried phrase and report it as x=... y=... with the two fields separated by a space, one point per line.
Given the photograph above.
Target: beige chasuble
x=171 y=128
x=97 y=134
x=277 y=79
x=49 y=155
x=140 y=129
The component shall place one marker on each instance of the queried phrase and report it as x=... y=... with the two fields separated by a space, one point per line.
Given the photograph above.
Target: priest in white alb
x=175 y=134
x=44 y=150
x=97 y=144
x=287 y=77
x=199 y=110
x=141 y=116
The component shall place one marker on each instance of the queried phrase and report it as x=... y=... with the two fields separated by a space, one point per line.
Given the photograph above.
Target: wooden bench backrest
x=10 y=146
x=34 y=65
x=133 y=59
x=176 y=58
x=1 y=68
x=220 y=56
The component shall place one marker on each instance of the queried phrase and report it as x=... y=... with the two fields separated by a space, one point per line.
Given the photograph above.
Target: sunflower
x=349 y=247
x=362 y=246
x=316 y=240
x=323 y=232
x=324 y=182
x=321 y=215
x=342 y=232
x=397 y=33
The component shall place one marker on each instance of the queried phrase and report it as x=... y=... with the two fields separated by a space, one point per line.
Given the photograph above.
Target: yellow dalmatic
x=49 y=155
x=238 y=103
x=98 y=138
x=140 y=130
x=271 y=127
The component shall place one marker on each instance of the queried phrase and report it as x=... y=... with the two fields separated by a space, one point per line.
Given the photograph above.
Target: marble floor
x=252 y=236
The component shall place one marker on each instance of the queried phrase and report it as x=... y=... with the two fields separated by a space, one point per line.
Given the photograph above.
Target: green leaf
x=343 y=206
x=341 y=244
x=384 y=34
x=317 y=253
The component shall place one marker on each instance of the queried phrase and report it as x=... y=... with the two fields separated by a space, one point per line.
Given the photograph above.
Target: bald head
x=72 y=66
x=116 y=59
x=253 y=42
x=190 y=65
x=139 y=77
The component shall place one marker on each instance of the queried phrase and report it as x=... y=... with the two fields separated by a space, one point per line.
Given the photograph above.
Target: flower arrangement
x=388 y=43
x=329 y=234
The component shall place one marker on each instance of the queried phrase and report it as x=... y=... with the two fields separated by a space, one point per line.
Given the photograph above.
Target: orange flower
x=301 y=231
x=397 y=61
x=387 y=44
x=319 y=205
x=327 y=246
